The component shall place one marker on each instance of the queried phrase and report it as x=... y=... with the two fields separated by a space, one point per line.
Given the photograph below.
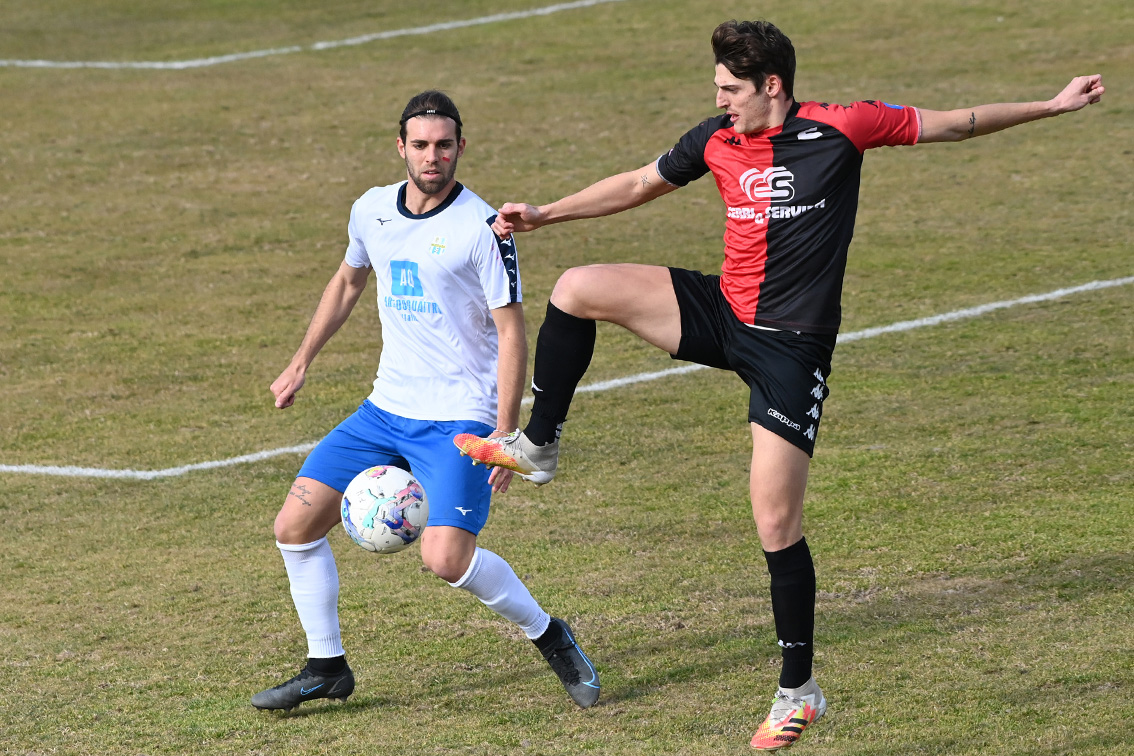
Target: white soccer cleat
x=512 y=452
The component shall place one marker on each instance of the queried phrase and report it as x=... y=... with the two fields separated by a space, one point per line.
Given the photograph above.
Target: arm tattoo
x=645 y=180
x=301 y=493
x=972 y=122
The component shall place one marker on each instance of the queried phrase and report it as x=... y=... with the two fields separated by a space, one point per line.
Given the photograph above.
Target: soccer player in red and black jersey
x=788 y=173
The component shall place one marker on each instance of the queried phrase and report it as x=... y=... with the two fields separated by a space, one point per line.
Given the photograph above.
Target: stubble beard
x=433 y=186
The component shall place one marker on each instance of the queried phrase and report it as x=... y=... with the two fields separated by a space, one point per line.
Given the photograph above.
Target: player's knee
x=295 y=530
x=445 y=565
x=573 y=289
x=286 y=530
x=778 y=529
x=445 y=559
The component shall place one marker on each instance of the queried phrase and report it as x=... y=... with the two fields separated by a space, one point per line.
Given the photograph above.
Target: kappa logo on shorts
x=820 y=393
x=784 y=419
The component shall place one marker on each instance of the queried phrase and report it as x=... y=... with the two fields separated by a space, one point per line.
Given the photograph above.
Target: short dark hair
x=754 y=49
x=430 y=103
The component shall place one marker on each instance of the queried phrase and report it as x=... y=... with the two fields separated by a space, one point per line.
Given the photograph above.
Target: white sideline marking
x=169 y=472
x=867 y=333
x=179 y=65
x=904 y=325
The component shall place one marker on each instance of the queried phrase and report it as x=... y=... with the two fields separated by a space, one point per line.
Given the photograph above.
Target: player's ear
x=401 y=148
x=461 y=147
x=773 y=85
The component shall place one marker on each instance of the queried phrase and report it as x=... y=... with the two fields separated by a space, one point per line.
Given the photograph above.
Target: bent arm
x=512 y=364
x=511 y=369
x=339 y=298
x=965 y=123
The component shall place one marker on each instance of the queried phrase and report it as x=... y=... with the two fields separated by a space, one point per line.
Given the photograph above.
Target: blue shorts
x=458 y=492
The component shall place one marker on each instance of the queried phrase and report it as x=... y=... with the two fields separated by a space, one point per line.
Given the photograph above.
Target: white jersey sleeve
x=356 y=249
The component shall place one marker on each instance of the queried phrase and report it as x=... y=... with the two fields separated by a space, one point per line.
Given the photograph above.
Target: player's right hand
x=284 y=388
x=516 y=217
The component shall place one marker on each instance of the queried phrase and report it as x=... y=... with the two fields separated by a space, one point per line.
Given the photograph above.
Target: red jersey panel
x=791 y=196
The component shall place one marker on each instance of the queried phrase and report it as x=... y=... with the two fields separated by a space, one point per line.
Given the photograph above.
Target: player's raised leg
x=639 y=298
x=778 y=482
x=309 y=512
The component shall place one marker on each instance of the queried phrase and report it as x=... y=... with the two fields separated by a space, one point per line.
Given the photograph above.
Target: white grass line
x=867 y=333
x=972 y=312
x=169 y=472
x=178 y=65
x=905 y=325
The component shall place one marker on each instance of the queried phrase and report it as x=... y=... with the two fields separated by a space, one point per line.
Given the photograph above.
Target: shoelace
x=782 y=705
x=563 y=667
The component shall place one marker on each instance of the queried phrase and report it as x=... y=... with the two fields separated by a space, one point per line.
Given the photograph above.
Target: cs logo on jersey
x=773 y=184
x=404 y=280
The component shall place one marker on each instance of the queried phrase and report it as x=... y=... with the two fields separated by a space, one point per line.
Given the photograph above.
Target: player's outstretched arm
x=338 y=299
x=607 y=197
x=965 y=123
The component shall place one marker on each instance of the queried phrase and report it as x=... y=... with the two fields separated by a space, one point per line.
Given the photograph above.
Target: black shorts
x=786 y=371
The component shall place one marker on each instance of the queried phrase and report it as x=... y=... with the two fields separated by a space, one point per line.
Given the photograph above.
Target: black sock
x=329 y=666
x=563 y=353
x=552 y=638
x=793 y=606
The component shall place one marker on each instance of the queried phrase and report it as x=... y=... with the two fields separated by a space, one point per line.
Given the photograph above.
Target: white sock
x=493 y=581
x=315 y=591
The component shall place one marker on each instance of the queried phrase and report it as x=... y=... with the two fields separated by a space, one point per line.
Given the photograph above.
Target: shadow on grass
x=921 y=609
x=325 y=707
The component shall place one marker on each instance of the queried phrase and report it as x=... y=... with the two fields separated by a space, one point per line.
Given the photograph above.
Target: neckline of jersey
x=405 y=211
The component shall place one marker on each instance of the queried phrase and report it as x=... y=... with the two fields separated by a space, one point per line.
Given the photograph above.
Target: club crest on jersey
x=438 y=245
x=772 y=184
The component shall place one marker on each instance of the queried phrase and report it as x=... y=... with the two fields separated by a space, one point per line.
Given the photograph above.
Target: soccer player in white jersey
x=454 y=355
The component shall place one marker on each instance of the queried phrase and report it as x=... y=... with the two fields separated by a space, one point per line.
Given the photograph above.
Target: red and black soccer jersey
x=791 y=195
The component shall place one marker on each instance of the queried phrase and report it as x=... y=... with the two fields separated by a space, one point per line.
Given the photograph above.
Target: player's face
x=749 y=108
x=431 y=151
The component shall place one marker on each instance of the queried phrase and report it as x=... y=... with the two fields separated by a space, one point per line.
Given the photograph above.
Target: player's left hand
x=1081 y=92
x=500 y=478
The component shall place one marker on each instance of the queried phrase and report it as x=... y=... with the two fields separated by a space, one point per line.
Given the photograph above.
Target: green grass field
x=165 y=235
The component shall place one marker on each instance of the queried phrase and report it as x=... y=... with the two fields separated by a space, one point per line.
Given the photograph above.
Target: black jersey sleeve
x=686 y=161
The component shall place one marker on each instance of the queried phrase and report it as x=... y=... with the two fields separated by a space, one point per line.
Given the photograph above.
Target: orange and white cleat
x=512 y=452
x=793 y=709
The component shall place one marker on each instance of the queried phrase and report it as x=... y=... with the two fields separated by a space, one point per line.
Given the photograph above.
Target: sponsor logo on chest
x=407 y=293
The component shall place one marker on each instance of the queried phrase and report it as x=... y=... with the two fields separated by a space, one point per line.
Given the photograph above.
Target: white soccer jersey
x=439 y=275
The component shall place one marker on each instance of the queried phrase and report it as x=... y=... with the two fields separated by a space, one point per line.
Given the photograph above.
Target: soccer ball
x=384 y=509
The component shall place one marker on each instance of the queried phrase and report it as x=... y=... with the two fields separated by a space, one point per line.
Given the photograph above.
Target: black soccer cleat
x=306 y=686
x=574 y=669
